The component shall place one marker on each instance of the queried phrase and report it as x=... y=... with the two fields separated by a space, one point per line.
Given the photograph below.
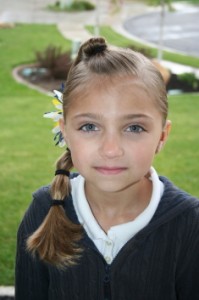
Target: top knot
x=92 y=47
x=96 y=49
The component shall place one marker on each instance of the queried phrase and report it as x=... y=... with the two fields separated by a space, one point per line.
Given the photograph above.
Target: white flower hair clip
x=56 y=116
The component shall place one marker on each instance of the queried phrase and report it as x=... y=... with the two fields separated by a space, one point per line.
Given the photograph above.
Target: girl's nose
x=111 y=147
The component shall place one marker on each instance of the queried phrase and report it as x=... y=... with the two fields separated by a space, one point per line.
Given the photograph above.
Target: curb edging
x=7 y=293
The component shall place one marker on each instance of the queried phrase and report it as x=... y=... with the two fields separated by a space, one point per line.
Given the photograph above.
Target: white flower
x=58 y=95
x=56 y=116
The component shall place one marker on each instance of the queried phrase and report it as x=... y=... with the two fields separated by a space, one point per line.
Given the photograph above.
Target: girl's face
x=113 y=132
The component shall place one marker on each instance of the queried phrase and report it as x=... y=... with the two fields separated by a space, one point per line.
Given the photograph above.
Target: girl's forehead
x=112 y=94
x=101 y=84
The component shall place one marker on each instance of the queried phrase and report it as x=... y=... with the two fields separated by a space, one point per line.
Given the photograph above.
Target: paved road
x=181 y=29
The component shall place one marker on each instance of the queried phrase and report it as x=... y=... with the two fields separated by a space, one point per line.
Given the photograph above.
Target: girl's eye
x=135 y=128
x=88 y=127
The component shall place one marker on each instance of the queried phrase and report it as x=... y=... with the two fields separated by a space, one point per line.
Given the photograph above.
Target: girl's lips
x=110 y=171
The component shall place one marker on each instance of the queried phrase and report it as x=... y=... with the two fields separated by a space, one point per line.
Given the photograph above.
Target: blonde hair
x=56 y=240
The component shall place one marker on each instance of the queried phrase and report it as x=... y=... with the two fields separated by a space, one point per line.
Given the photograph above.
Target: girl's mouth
x=110 y=170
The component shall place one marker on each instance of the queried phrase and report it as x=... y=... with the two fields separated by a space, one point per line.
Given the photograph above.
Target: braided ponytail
x=55 y=241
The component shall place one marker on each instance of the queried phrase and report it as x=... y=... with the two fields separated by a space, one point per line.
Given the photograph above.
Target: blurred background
x=38 y=41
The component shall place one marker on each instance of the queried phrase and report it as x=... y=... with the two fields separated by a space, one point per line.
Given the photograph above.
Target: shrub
x=186 y=82
x=81 y=5
x=75 y=6
x=56 y=61
x=190 y=80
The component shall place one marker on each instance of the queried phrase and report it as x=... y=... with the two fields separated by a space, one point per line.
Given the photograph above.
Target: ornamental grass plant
x=27 y=151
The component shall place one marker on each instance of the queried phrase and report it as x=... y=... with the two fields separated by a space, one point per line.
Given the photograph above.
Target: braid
x=60 y=187
x=56 y=239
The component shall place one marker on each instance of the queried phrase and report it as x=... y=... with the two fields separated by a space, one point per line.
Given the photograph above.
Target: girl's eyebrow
x=88 y=115
x=137 y=116
x=125 y=117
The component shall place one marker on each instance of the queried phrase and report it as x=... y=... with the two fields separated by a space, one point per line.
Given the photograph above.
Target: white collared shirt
x=110 y=243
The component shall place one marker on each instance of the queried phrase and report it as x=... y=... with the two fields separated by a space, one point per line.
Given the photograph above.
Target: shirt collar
x=122 y=232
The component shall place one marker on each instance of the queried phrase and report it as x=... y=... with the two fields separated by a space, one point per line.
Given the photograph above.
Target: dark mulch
x=44 y=81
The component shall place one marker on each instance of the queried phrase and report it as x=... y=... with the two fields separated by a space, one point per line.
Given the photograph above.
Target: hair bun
x=94 y=46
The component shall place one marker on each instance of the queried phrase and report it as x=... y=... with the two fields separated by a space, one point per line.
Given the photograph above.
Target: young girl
x=115 y=230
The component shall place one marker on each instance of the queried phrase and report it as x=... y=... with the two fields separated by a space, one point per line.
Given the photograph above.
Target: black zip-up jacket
x=161 y=262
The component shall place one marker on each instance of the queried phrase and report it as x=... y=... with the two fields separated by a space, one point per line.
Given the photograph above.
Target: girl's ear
x=62 y=128
x=164 y=136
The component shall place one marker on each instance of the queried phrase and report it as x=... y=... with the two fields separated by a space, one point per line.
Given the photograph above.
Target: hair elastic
x=62 y=172
x=57 y=202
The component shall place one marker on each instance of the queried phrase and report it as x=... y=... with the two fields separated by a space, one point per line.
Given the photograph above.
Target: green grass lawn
x=179 y=159
x=27 y=151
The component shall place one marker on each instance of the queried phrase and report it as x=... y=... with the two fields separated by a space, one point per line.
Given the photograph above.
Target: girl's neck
x=110 y=209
